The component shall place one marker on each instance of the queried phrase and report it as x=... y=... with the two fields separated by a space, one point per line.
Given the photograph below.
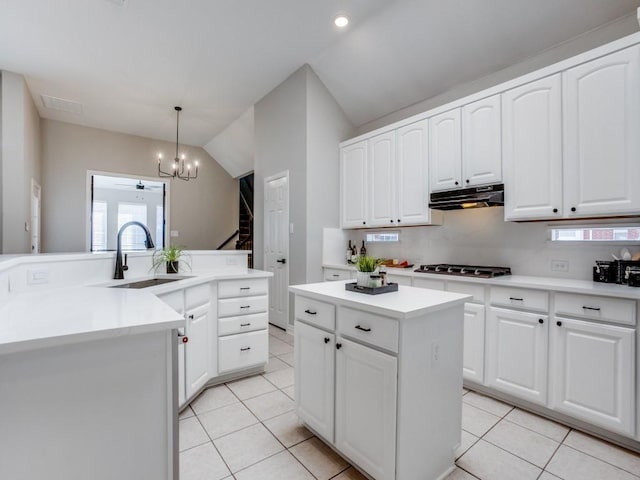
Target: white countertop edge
x=359 y=300
x=567 y=285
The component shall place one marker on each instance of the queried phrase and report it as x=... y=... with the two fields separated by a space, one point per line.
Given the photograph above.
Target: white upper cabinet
x=445 y=151
x=382 y=191
x=412 y=178
x=481 y=142
x=532 y=150
x=353 y=183
x=602 y=140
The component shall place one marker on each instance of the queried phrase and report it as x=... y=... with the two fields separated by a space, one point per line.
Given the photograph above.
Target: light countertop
x=407 y=302
x=41 y=319
x=568 y=285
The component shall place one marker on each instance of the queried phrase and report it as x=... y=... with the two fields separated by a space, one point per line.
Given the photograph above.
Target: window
x=383 y=237
x=99 y=226
x=132 y=238
x=607 y=233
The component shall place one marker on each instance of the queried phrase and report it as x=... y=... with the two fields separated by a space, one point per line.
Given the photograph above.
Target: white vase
x=363 y=278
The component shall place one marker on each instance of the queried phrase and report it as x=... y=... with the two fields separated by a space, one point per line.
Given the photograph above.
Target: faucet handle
x=124 y=265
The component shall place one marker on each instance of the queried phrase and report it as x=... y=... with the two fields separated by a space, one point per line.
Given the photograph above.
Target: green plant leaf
x=367 y=263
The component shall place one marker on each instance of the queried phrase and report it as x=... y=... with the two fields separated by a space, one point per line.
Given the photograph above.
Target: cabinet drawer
x=334 y=274
x=615 y=310
x=196 y=296
x=369 y=328
x=174 y=299
x=242 y=288
x=474 y=289
x=243 y=323
x=316 y=312
x=428 y=283
x=520 y=298
x=242 y=351
x=228 y=307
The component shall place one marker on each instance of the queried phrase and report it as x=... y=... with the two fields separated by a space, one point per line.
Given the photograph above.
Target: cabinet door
x=412 y=175
x=532 y=150
x=382 y=180
x=445 y=151
x=353 y=180
x=366 y=387
x=198 y=349
x=314 y=378
x=592 y=373
x=473 y=356
x=601 y=125
x=481 y=142
x=517 y=353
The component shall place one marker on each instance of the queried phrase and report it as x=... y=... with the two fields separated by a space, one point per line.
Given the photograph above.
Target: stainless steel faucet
x=120 y=268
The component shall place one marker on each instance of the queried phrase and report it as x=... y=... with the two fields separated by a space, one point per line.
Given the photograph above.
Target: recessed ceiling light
x=341 y=21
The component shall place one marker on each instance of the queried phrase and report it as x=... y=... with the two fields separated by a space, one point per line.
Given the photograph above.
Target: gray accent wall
x=20 y=160
x=204 y=211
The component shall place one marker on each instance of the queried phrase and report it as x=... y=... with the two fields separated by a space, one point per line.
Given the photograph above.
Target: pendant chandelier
x=178 y=168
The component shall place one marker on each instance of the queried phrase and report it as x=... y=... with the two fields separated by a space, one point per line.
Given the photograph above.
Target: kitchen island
x=378 y=377
x=91 y=377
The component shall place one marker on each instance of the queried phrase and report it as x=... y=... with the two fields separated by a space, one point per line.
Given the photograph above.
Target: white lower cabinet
x=198 y=349
x=592 y=373
x=473 y=346
x=366 y=388
x=517 y=353
x=314 y=385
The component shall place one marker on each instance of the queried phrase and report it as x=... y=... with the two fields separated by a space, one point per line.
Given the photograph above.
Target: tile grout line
x=597 y=458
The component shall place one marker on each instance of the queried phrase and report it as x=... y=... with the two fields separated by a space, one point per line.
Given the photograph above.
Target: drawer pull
x=244 y=349
x=516 y=299
x=327 y=339
x=597 y=309
x=245 y=306
x=245 y=288
x=245 y=324
x=363 y=329
x=310 y=312
x=335 y=275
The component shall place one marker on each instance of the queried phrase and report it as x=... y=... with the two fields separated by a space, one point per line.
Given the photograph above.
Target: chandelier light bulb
x=197 y=163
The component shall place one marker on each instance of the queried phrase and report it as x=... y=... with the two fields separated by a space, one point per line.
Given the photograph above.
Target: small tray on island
x=353 y=287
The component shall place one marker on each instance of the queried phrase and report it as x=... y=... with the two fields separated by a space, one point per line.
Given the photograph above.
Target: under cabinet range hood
x=474 y=197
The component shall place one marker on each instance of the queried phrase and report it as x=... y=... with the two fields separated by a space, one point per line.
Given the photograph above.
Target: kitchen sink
x=152 y=282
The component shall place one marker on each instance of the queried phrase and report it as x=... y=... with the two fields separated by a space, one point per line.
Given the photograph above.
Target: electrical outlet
x=174 y=233
x=559 y=266
x=37 y=277
x=435 y=353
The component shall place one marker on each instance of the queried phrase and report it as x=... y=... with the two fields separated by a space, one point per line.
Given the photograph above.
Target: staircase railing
x=231 y=237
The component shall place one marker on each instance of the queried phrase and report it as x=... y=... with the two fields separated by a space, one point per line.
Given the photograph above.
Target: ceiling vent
x=61 y=104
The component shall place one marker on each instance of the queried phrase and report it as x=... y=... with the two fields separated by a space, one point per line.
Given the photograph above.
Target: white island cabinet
x=379 y=377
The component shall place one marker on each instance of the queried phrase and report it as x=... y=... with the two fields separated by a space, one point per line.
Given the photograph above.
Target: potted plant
x=170 y=256
x=366 y=266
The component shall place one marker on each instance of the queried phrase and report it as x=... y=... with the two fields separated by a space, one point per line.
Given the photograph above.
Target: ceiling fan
x=140 y=186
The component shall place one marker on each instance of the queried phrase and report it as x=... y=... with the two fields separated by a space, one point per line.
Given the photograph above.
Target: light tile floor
x=247 y=430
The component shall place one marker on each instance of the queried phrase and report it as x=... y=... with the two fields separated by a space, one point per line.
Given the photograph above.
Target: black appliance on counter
x=623 y=272
x=465 y=270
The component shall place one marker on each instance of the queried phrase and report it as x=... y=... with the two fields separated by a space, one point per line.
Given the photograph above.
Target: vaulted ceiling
x=128 y=62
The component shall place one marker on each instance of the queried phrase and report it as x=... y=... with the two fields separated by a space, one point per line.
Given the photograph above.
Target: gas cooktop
x=465 y=270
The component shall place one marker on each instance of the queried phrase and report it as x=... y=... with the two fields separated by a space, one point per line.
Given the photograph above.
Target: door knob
x=282 y=261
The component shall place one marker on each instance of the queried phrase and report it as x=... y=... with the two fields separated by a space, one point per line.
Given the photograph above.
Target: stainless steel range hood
x=474 y=197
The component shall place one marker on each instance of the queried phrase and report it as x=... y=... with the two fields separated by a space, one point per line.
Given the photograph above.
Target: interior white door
x=36 y=199
x=276 y=246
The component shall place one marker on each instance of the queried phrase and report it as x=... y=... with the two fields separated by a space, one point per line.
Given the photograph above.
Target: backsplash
x=482 y=237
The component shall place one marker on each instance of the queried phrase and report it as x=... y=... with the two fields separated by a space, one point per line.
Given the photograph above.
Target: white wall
x=204 y=211
x=21 y=161
x=281 y=144
x=582 y=43
x=481 y=237
x=327 y=126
